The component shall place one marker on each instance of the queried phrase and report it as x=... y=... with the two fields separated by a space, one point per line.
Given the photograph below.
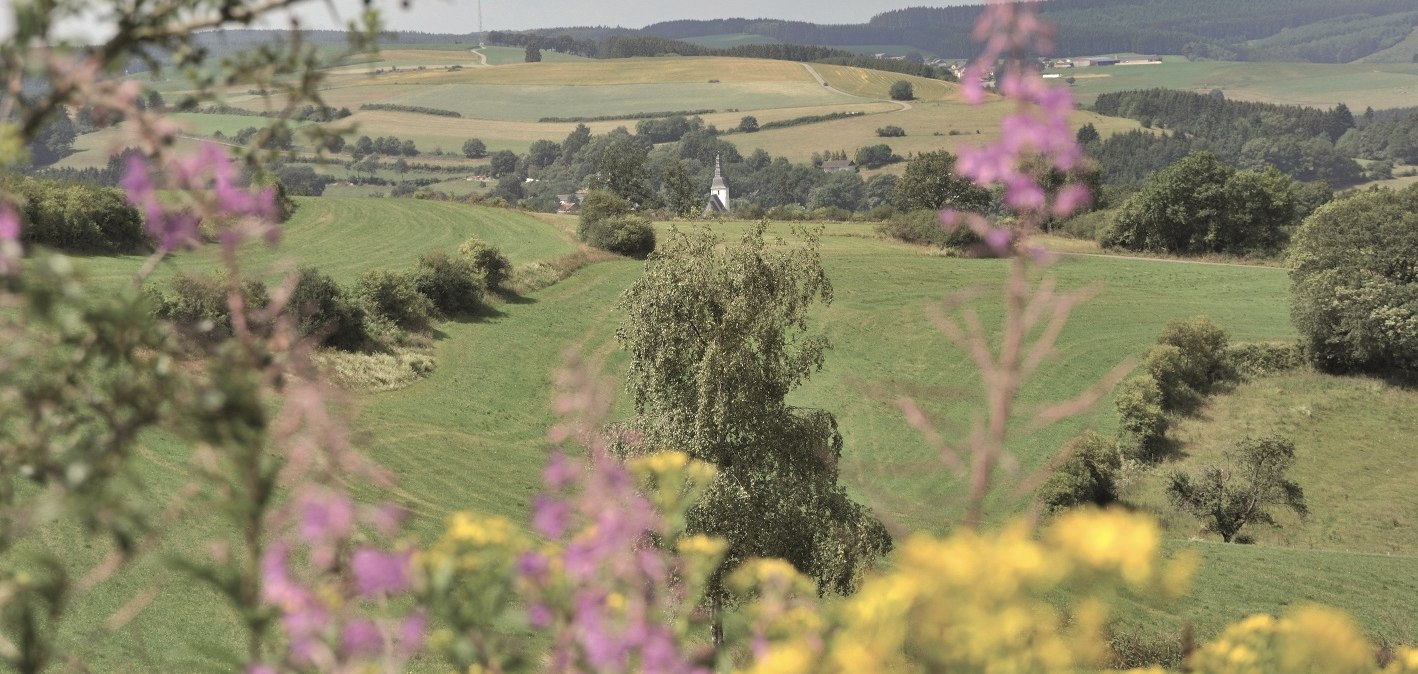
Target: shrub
x=199 y=306
x=1258 y=359
x=891 y=131
x=1203 y=347
x=452 y=283
x=79 y=218
x=489 y=262
x=323 y=308
x=629 y=235
x=902 y=90
x=1087 y=476
x=1142 y=423
x=394 y=296
x=1167 y=365
x=599 y=205
x=924 y=227
x=1244 y=490
x=1354 y=291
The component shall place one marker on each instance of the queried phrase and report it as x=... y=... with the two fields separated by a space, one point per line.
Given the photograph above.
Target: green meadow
x=1358 y=85
x=471 y=435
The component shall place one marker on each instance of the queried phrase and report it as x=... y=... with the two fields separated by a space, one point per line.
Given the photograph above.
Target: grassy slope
x=471 y=435
x=1377 y=85
x=345 y=236
x=501 y=104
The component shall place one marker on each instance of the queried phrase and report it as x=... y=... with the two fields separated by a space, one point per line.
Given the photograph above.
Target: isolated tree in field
x=748 y=124
x=401 y=167
x=717 y=340
x=931 y=182
x=902 y=91
x=1244 y=491
x=875 y=156
x=1354 y=288
x=533 y=53
x=474 y=149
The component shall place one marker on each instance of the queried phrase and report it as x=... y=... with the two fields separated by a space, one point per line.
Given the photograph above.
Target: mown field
x=502 y=103
x=471 y=435
x=1358 y=85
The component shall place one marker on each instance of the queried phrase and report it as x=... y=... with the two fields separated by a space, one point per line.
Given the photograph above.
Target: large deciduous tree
x=931 y=182
x=1244 y=491
x=1354 y=282
x=1200 y=205
x=717 y=339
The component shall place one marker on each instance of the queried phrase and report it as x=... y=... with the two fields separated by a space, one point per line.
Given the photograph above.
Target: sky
x=461 y=16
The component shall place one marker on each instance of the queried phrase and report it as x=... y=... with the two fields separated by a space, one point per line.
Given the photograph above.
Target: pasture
x=501 y=104
x=1358 y=85
x=471 y=435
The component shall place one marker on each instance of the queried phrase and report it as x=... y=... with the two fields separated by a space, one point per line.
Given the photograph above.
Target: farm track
x=811 y=71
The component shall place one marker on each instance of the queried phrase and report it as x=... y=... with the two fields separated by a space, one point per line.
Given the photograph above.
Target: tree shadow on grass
x=511 y=297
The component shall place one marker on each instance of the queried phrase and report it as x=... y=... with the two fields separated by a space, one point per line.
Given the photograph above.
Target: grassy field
x=501 y=104
x=1358 y=85
x=471 y=435
x=346 y=236
x=501 y=56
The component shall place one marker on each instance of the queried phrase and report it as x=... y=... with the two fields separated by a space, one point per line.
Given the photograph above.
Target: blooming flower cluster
x=984 y=602
x=1306 y=639
x=209 y=173
x=615 y=606
x=334 y=600
x=1038 y=128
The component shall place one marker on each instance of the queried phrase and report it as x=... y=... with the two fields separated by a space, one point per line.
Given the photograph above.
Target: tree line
x=1318 y=30
x=1299 y=141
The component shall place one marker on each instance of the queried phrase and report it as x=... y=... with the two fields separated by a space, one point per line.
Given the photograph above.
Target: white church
x=718 y=193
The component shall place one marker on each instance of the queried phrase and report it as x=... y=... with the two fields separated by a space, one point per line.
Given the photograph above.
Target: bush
x=1203 y=347
x=394 y=295
x=1167 y=366
x=902 y=90
x=924 y=227
x=79 y=218
x=199 y=306
x=1258 y=359
x=891 y=131
x=452 y=283
x=1354 y=291
x=323 y=308
x=629 y=235
x=489 y=262
x=1142 y=423
x=1087 y=476
x=599 y=205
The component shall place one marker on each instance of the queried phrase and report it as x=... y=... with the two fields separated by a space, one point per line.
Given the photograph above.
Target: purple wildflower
x=550 y=516
x=361 y=637
x=377 y=572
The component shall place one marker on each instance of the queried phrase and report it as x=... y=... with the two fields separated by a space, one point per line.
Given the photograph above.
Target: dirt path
x=811 y=71
x=1168 y=259
x=481 y=56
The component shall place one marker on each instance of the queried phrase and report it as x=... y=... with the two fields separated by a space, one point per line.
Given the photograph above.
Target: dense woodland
x=1297 y=140
x=1314 y=30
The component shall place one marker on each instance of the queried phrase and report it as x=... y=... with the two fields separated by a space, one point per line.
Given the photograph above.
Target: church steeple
x=718 y=188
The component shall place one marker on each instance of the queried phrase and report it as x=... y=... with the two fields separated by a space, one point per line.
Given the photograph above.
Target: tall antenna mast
x=480 y=22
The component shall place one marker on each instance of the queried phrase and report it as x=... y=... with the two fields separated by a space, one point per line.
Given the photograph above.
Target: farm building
x=838 y=165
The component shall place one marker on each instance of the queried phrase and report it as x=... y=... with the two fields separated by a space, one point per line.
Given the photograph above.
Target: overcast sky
x=461 y=16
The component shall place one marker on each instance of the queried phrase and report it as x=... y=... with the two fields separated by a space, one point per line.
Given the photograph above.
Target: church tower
x=718 y=193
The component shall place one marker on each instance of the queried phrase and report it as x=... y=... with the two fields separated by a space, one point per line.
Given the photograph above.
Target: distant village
x=957 y=67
